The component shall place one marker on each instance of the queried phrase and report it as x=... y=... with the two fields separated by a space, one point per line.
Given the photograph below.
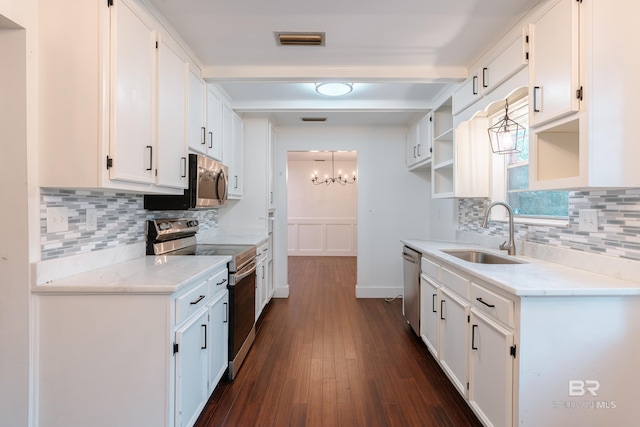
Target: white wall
x=19 y=192
x=393 y=203
x=322 y=219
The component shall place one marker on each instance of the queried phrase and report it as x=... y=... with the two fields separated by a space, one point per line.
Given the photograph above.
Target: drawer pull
x=221 y=282
x=442 y=309
x=433 y=303
x=204 y=347
x=487 y=304
x=197 y=301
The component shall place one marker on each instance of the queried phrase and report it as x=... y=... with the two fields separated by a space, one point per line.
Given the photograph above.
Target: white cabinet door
x=191 y=369
x=227 y=139
x=259 y=288
x=197 y=98
x=171 y=152
x=504 y=65
x=554 y=63
x=214 y=126
x=271 y=166
x=453 y=338
x=133 y=69
x=466 y=94
x=429 y=305
x=412 y=145
x=425 y=138
x=218 y=338
x=491 y=371
x=236 y=184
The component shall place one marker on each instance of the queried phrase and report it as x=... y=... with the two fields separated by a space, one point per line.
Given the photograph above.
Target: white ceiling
x=398 y=54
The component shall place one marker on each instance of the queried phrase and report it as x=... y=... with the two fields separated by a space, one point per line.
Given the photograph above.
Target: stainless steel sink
x=480 y=257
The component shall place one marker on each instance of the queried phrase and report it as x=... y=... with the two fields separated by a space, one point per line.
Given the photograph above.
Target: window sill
x=563 y=222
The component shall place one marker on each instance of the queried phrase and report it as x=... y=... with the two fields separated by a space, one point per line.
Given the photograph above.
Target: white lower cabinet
x=218 y=310
x=130 y=358
x=191 y=363
x=536 y=359
x=429 y=302
x=490 y=370
x=453 y=338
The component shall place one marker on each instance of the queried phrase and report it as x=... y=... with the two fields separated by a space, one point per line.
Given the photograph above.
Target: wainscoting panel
x=322 y=237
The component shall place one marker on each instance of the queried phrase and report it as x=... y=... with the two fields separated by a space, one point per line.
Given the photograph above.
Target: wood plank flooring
x=324 y=358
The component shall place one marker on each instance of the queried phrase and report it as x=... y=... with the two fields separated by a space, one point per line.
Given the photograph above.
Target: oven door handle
x=245 y=271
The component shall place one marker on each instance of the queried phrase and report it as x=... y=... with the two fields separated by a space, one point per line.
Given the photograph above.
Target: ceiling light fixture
x=333 y=178
x=299 y=39
x=334 y=88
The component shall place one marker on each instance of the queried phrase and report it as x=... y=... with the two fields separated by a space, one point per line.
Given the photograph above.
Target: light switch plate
x=588 y=220
x=91 y=220
x=57 y=220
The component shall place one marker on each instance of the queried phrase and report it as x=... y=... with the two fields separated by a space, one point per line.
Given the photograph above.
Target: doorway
x=322 y=194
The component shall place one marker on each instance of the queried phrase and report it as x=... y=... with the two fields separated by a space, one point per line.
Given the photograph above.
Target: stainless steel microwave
x=208 y=187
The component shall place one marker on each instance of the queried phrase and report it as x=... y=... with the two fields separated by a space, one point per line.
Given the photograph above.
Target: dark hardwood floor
x=324 y=358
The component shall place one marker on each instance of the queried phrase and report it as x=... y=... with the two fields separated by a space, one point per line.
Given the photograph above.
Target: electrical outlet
x=91 y=220
x=57 y=220
x=588 y=220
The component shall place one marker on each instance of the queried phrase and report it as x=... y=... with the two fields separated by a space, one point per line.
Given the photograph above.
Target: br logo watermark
x=587 y=389
x=579 y=388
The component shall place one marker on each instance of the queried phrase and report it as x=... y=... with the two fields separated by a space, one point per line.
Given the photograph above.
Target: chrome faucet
x=510 y=247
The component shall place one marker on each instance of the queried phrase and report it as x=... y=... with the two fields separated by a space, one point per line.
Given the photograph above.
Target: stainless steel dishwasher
x=411 y=298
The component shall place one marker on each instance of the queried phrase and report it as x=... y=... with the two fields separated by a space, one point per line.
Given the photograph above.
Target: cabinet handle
x=473 y=337
x=236 y=181
x=535 y=99
x=475 y=85
x=226 y=312
x=205 y=338
x=485 y=303
x=433 y=303
x=414 y=151
x=442 y=310
x=203 y=140
x=484 y=77
x=210 y=139
x=222 y=282
x=197 y=301
x=418 y=150
x=150 y=148
x=184 y=167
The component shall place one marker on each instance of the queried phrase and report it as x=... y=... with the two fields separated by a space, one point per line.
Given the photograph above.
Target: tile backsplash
x=618 y=223
x=121 y=220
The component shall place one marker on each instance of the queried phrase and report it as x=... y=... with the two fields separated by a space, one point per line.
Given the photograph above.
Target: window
x=511 y=177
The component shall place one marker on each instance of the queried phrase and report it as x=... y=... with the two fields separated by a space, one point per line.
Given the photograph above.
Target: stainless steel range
x=178 y=237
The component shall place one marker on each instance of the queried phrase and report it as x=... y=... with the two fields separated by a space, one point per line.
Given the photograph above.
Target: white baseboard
x=281 y=292
x=365 y=292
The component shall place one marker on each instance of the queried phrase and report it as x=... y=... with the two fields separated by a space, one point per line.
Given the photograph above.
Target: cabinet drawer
x=192 y=301
x=497 y=306
x=430 y=269
x=456 y=283
x=218 y=282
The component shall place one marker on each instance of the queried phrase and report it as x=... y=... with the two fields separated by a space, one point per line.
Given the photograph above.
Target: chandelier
x=333 y=178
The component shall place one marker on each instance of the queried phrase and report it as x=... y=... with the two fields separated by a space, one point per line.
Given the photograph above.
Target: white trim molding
x=322 y=237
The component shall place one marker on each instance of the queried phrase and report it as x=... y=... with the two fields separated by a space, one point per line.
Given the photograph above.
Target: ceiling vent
x=299 y=39
x=314 y=119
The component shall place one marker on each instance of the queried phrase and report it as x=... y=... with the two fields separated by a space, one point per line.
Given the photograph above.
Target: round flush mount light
x=334 y=88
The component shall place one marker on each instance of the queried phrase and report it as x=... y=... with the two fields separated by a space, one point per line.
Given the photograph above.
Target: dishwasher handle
x=408 y=257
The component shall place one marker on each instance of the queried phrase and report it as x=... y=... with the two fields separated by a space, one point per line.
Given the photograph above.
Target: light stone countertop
x=532 y=278
x=142 y=275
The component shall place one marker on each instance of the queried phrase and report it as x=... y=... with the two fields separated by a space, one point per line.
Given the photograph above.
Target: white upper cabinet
x=500 y=67
x=583 y=97
x=112 y=108
x=214 y=124
x=504 y=65
x=197 y=118
x=419 y=143
x=133 y=71
x=236 y=165
x=172 y=117
x=554 y=69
